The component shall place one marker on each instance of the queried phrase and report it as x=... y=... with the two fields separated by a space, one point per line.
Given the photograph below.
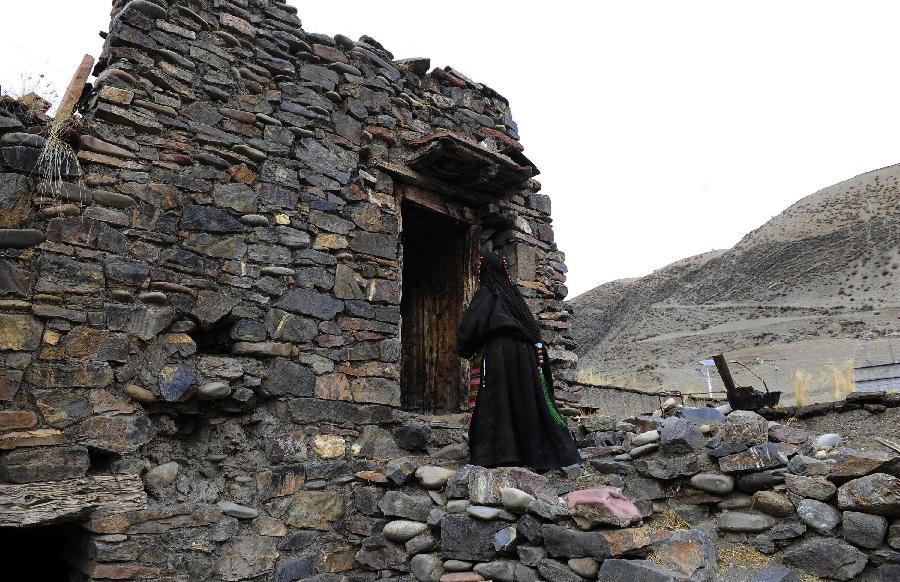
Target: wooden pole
x=724 y=372
x=74 y=90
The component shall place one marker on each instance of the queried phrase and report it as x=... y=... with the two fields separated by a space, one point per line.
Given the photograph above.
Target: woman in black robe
x=515 y=421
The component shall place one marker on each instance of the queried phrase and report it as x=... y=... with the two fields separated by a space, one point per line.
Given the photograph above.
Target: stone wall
x=205 y=312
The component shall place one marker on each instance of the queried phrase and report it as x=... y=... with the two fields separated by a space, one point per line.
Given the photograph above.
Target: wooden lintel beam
x=32 y=504
x=436 y=203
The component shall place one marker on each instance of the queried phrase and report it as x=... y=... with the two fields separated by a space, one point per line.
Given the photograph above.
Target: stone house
x=246 y=292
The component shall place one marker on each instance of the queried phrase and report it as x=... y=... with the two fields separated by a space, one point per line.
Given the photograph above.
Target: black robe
x=513 y=423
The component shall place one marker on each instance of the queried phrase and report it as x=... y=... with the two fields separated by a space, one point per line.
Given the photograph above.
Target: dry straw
x=58 y=159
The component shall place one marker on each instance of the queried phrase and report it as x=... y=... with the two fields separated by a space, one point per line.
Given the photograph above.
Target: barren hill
x=813 y=292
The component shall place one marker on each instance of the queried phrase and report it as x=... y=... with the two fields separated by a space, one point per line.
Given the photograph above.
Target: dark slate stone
x=851 y=464
x=506 y=540
x=458 y=485
x=399 y=471
x=569 y=543
x=702 y=415
x=530 y=528
x=780 y=433
x=329 y=165
x=319 y=75
x=212 y=306
x=365 y=500
x=785 y=532
x=379 y=554
x=287 y=378
x=669 y=468
x=531 y=555
x=126 y=271
x=23 y=159
x=413 y=437
x=726 y=449
x=10 y=281
x=308 y=410
x=635 y=571
x=385 y=67
x=558 y=572
x=275 y=196
x=34 y=464
x=9 y=124
x=284 y=326
x=379 y=245
x=23 y=139
x=864 y=530
x=776 y=575
x=180 y=258
x=610 y=466
x=399 y=504
x=236 y=196
x=828 y=557
x=292 y=107
x=202 y=111
x=307 y=302
x=14 y=238
x=69 y=374
x=323 y=470
x=679 y=436
x=152 y=10
x=752 y=482
x=175 y=382
x=248 y=330
x=756 y=458
x=15 y=200
x=212 y=160
x=206 y=218
x=464 y=538
x=878 y=494
x=297 y=569
x=808 y=466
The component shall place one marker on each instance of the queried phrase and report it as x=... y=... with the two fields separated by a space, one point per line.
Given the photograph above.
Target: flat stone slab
x=756 y=458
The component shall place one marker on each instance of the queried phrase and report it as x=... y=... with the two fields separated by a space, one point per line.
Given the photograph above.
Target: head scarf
x=495 y=276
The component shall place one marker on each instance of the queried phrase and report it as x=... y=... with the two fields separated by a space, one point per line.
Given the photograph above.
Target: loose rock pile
x=736 y=480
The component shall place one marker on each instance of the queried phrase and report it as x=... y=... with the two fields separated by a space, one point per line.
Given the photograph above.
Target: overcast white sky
x=663 y=129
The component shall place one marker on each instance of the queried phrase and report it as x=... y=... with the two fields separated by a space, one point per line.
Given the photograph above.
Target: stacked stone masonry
x=200 y=339
x=207 y=309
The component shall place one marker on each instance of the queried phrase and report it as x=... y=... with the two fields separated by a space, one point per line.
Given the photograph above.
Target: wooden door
x=440 y=255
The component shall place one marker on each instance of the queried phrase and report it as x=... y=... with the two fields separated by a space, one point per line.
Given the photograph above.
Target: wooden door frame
x=432 y=201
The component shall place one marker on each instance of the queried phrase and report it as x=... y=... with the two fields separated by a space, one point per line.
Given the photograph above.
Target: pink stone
x=608 y=505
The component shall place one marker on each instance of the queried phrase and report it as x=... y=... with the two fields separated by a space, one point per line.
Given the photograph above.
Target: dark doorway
x=437 y=282
x=48 y=553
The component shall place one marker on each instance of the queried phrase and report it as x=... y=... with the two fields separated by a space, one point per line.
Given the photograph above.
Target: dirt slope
x=814 y=291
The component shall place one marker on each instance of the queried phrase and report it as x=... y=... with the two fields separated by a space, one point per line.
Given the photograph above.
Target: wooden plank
x=437 y=203
x=44 y=503
x=408 y=176
x=725 y=373
x=74 y=90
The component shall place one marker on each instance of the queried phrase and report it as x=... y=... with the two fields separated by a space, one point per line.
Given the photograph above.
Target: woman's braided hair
x=495 y=276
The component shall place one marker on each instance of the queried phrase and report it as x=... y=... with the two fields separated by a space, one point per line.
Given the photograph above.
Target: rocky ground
x=813 y=290
x=692 y=494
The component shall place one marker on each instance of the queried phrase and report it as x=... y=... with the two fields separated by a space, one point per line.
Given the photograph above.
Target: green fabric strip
x=557 y=417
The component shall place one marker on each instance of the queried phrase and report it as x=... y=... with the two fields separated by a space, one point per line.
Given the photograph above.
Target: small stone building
x=246 y=292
